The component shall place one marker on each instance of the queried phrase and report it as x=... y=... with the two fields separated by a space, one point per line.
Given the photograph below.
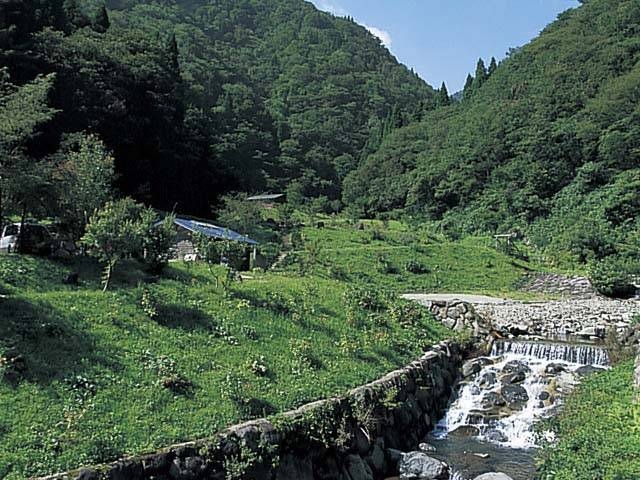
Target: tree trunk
x=106 y=277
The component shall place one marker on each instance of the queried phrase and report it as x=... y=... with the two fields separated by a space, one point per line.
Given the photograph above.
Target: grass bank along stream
x=88 y=376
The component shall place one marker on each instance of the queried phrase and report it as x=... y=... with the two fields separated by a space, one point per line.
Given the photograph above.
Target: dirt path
x=448 y=297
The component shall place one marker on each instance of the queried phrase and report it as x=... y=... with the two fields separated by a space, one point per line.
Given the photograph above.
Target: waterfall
x=565 y=352
x=519 y=384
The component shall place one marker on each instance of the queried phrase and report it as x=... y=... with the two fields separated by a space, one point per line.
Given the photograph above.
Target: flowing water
x=489 y=426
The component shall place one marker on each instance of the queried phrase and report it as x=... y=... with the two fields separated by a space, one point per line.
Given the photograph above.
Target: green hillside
x=547 y=144
x=196 y=99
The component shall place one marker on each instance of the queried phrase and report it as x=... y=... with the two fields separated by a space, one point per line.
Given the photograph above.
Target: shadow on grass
x=185 y=276
x=256 y=408
x=45 y=347
x=185 y=318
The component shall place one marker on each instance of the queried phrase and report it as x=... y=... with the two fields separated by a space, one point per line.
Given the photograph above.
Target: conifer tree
x=443 y=96
x=481 y=74
x=493 y=66
x=468 y=87
x=102 y=22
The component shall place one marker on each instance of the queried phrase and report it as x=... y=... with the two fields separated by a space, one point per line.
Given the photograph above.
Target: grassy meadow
x=91 y=376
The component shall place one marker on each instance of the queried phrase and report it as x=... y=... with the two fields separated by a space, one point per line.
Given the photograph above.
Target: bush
x=612 y=276
x=413 y=266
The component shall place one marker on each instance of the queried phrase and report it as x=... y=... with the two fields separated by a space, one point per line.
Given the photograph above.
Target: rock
x=516 y=366
x=86 y=474
x=358 y=469
x=495 y=436
x=376 y=460
x=588 y=332
x=394 y=457
x=465 y=431
x=488 y=380
x=295 y=468
x=474 y=365
x=493 y=399
x=588 y=370
x=493 y=476
x=420 y=466
x=555 y=368
x=190 y=468
x=515 y=395
x=482 y=455
x=518 y=329
x=427 y=448
x=517 y=377
x=361 y=442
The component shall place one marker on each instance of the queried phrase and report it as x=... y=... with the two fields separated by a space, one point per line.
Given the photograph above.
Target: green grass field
x=598 y=431
x=405 y=259
x=88 y=377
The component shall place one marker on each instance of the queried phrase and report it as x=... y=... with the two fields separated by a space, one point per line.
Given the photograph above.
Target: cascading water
x=575 y=354
x=504 y=395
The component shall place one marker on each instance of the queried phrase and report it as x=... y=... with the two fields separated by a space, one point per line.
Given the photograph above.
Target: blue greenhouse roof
x=213 y=231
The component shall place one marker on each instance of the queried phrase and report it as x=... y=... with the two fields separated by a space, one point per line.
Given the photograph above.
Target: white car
x=9 y=238
x=37 y=238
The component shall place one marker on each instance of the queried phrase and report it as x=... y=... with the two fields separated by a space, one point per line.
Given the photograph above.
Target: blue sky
x=442 y=39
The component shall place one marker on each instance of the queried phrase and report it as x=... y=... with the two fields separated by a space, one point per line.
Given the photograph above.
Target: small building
x=268 y=200
x=186 y=227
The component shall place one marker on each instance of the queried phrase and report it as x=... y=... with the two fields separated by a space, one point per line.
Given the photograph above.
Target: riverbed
x=490 y=424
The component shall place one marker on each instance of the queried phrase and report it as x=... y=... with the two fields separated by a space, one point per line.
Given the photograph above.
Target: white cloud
x=330 y=7
x=383 y=35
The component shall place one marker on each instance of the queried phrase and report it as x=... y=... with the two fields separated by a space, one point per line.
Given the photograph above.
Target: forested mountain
x=197 y=98
x=549 y=138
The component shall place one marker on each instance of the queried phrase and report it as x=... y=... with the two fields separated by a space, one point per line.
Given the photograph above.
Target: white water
x=514 y=428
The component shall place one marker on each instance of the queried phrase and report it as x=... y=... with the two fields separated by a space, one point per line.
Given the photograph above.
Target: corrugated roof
x=271 y=196
x=213 y=231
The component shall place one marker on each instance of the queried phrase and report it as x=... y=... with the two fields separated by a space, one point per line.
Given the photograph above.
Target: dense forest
x=194 y=99
x=547 y=143
x=198 y=98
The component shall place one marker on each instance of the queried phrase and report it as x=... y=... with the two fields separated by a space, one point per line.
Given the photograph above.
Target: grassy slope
x=599 y=431
x=95 y=362
x=470 y=265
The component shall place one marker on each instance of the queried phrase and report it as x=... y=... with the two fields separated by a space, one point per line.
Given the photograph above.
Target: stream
x=490 y=424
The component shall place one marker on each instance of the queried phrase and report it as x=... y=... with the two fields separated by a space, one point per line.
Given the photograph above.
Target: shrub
x=157 y=244
x=117 y=231
x=612 y=276
x=413 y=266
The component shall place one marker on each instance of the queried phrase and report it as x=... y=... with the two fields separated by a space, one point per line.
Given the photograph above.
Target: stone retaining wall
x=354 y=437
x=554 y=284
x=458 y=316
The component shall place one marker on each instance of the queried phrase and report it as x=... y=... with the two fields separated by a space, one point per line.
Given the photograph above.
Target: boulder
x=517 y=377
x=294 y=468
x=358 y=469
x=516 y=366
x=493 y=476
x=515 y=395
x=420 y=466
x=555 y=368
x=488 y=380
x=427 y=448
x=474 y=366
x=588 y=370
x=492 y=400
x=465 y=431
x=495 y=436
